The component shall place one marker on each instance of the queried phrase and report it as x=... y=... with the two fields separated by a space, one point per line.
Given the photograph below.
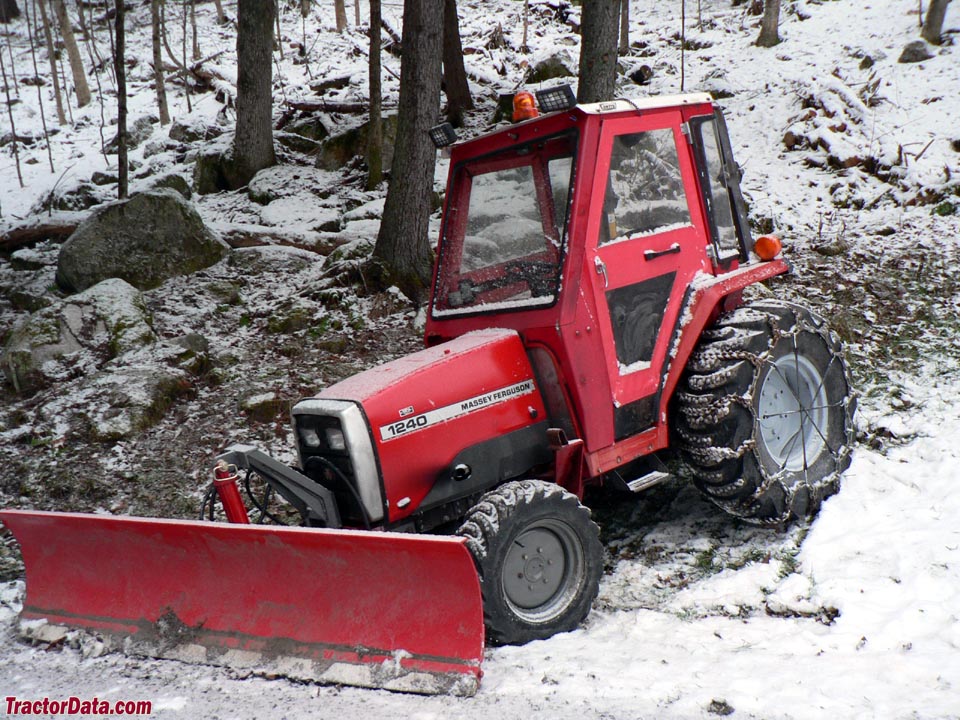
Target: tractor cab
x=583 y=230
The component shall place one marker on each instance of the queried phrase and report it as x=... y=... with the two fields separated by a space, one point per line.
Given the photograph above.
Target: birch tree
x=80 y=85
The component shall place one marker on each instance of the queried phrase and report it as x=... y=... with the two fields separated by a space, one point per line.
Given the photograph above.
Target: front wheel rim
x=543 y=571
x=793 y=413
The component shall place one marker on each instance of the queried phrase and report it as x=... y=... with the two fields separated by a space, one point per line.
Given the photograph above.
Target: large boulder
x=338 y=150
x=76 y=336
x=145 y=240
x=123 y=402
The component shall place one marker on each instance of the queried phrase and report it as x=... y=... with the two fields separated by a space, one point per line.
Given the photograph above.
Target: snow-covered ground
x=857 y=616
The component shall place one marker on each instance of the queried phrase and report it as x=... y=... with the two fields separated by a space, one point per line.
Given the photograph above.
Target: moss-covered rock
x=338 y=150
x=76 y=335
x=145 y=240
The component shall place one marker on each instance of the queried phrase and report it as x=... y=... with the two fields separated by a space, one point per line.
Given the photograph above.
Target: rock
x=125 y=401
x=81 y=196
x=555 y=66
x=261 y=407
x=171 y=181
x=208 y=173
x=281 y=181
x=137 y=133
x=101 y=178
x=308 y=127
x=915 y=52
x=145 y=240
x=296 y=143
x=76 y=335
x=338 y=150
x=193 y=128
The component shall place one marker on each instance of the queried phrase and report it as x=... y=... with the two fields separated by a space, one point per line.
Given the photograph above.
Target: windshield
x=503 y=235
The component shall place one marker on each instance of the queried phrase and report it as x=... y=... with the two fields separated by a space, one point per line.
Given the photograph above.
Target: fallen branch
x=57 y=228
x=328 y=106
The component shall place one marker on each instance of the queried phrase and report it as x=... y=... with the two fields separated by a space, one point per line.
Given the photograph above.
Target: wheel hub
x=793 y=412
x=542 y=570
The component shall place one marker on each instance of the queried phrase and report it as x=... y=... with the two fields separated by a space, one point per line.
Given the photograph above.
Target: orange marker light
x=767 y=247
x=524 y=106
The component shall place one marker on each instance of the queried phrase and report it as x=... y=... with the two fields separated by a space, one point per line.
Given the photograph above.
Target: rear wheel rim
x=543 y=571
x=794 y=413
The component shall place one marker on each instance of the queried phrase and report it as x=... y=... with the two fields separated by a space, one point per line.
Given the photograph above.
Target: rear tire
x=539 y=558
x=765 y=413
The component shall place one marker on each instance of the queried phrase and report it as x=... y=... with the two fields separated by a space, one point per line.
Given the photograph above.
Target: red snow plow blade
x=395 y=611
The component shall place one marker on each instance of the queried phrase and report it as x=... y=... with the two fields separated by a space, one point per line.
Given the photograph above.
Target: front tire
x=539 y=558
x=765 y=413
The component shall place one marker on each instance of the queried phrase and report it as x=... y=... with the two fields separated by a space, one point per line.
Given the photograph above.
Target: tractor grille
x=336 y=452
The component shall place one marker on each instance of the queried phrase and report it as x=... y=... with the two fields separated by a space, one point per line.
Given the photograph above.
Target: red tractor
x=586 y=314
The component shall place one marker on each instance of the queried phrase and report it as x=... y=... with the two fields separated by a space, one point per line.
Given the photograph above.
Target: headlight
x=335 y=439
x=310 y=437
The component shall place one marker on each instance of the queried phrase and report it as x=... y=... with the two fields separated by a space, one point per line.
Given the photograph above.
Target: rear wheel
x=539 y=557
x=765 y=413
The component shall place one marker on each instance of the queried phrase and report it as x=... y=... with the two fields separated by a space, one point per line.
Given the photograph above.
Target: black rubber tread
x=716 y=426
x=492 y=526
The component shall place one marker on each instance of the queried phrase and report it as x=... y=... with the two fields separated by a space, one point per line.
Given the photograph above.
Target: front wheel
x=765 y=413
x=539 y=557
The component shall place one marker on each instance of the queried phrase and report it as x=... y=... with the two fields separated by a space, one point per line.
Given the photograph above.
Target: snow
x=855 y=616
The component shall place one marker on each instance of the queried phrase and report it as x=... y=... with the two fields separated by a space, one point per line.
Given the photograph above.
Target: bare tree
x=51 y=54
x=524 y=47
x=598 y=50
x=403 y=245
x=769 y=26
x=356 y=12
x=253 y=140
x=221 y=18
x=933 y=23
x=13 y=127
x=193 y=28
x=8 y=10
x=121 y=69
x=80 y=85
x=341 y=11
x=158 y=63
x=454 y=72
x=624 y=27
x=375 y=130
x=36 y=72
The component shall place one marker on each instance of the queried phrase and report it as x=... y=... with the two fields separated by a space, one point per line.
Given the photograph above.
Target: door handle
x=601 y=270
x=654 y=254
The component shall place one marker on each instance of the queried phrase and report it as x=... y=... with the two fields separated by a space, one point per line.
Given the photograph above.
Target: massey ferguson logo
x=448 y=412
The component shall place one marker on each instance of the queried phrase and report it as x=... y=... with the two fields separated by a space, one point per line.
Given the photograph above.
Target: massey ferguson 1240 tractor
x=586 y=314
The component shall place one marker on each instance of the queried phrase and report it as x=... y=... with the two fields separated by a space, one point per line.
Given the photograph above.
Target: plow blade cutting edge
x=387 y=610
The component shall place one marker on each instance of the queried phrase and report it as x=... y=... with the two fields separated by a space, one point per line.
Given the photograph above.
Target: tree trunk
x=193 y=29
x=769 y=34
x=403 y=244
x=13 y=127
x=356 y=12
x=73 y=53
x=158 y=63
x=121 y=68
x=933 y=23
x=341 y=12
x=624 y=27
x=524 y=47
x=598 y=50
x=454 y=72
x=375 y=133
x=253 y=141
x=48 y=36
x=8 y=10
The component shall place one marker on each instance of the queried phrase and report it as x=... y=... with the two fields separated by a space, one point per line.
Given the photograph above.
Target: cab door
x=650 y=242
